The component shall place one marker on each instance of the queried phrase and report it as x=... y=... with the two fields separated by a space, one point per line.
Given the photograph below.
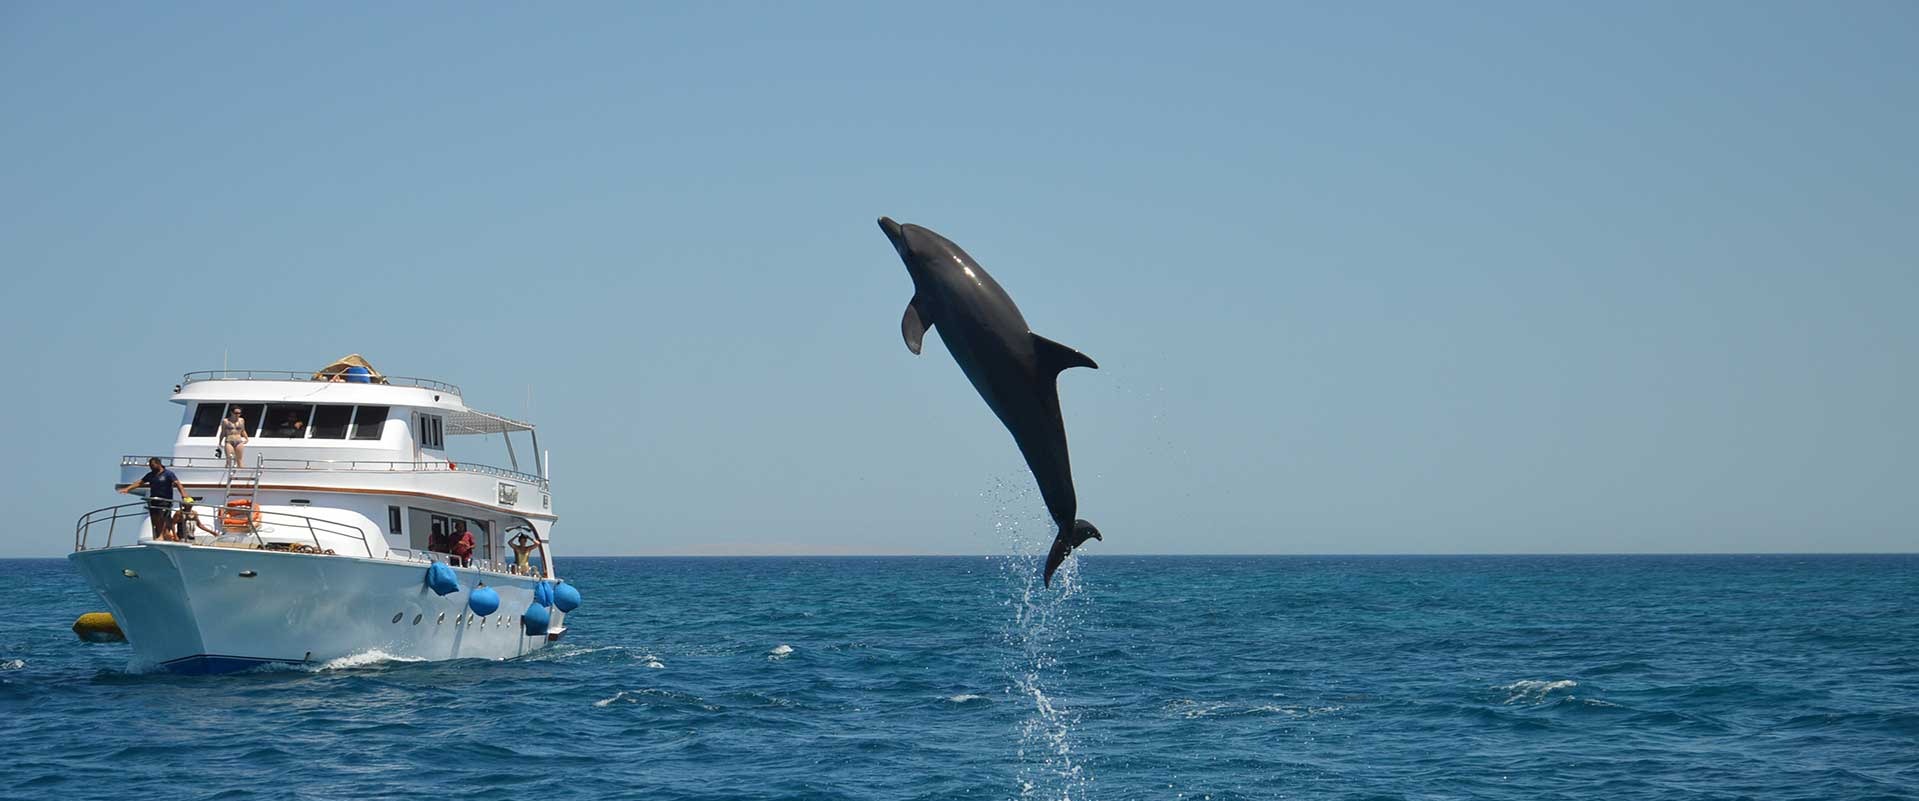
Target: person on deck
x=457 y=545
x=186 y=522
x=522 y=545
x=462 y=549
x=233 y=434
x=161 y=484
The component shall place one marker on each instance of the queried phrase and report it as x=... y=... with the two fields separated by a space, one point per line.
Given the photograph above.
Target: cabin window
x=330 y=422
x=250 y=412
x=286 y=420
x=432 y=435
x=206 y=420
x=393 y=519
x=366 y=425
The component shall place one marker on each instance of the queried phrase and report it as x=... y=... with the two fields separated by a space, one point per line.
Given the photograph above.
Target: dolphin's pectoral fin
x=1054 y=357
x=913 y=326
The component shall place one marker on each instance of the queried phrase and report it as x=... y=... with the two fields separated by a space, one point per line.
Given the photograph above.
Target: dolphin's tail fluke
x=1070 y=537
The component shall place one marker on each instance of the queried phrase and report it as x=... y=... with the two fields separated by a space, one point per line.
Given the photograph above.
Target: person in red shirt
x=462 y=548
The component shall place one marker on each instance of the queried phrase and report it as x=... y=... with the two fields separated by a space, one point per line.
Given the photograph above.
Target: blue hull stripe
x=205 y=664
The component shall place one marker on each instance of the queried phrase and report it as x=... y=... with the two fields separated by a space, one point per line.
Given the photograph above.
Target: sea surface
x=1598 y=677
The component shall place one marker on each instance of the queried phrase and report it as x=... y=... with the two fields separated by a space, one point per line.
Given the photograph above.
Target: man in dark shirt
x=160 y=483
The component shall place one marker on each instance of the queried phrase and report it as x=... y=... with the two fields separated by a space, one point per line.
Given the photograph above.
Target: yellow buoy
x=98 y=627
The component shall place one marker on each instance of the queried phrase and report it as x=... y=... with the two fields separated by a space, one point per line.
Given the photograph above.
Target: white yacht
x=316 y=546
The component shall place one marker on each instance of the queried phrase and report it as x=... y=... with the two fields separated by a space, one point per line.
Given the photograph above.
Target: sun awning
x=341 y=369
x=470 y=421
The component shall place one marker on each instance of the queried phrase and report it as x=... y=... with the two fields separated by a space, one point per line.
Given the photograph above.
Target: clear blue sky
x=1362 y=278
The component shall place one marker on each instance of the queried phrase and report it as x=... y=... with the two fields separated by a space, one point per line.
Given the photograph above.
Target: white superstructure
x=319 y=541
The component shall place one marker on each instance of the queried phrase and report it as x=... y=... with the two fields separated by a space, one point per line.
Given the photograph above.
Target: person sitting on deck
x=185 y=522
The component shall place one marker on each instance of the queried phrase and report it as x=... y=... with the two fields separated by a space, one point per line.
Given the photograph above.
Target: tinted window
x=206 y=420
x=251 y=413
x=367 y=424
x=330 y=422
x=286 y=420
x=393 y=519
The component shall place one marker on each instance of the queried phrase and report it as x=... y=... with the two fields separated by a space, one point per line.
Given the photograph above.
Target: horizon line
x=1188 y=555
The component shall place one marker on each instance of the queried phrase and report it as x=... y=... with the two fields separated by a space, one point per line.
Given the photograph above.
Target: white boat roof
x=282 y=386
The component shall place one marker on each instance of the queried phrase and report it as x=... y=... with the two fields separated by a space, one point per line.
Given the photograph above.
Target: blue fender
x=543 y=593
x=483 y=601
x=441 y=579
x=536 y=619
x=566 y=597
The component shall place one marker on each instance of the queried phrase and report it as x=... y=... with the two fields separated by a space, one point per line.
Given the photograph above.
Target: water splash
x=1043 y=623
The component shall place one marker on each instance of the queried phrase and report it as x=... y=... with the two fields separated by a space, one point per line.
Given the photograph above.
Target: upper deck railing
x=355 y=465
x=307 y=375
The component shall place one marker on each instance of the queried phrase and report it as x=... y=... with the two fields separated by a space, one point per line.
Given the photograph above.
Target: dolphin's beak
x=891 y=228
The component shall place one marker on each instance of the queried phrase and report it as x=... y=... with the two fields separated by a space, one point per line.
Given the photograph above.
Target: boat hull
x=197 y=609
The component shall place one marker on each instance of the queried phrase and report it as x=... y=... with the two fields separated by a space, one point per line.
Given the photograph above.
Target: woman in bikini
x=233 y=433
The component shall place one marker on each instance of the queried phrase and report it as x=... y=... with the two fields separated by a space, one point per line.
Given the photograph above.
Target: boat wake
x=1043 y=623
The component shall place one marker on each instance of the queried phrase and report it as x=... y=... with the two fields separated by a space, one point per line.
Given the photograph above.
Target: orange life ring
x=233 y=516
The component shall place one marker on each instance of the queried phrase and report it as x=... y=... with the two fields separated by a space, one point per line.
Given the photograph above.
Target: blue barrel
x=483 y=601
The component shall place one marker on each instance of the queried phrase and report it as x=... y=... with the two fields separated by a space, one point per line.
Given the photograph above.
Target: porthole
x=441 y=619
x=416 y=618
x=397 y=616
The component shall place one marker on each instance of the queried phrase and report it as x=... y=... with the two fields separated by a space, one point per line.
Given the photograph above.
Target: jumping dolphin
x=1014 y=369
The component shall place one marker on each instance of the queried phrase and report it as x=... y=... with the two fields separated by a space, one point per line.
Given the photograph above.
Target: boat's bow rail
x=105 y=523
x=308 y=375
x=347 y=465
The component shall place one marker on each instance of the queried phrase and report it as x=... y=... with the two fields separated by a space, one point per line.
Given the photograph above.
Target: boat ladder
x=242 y=484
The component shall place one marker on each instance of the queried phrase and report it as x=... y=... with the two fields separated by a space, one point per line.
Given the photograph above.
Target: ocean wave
x=656 y=697
x=1192 y=709
x=1532 y=691
x=964 y=698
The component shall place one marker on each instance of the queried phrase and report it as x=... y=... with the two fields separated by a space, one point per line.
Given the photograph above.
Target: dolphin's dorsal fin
x=1054 y=357
x=913 y=326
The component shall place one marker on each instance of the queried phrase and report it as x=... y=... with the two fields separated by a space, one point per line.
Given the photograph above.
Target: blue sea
x=1601 y=677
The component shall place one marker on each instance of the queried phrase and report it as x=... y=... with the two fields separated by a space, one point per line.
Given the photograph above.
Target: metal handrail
x=486 y=565
x=369 y=466
x=110 y=516
x=307 y=375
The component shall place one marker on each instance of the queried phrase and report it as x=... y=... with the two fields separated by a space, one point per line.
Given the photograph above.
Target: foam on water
x=1534 y=690
x=363 y=659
